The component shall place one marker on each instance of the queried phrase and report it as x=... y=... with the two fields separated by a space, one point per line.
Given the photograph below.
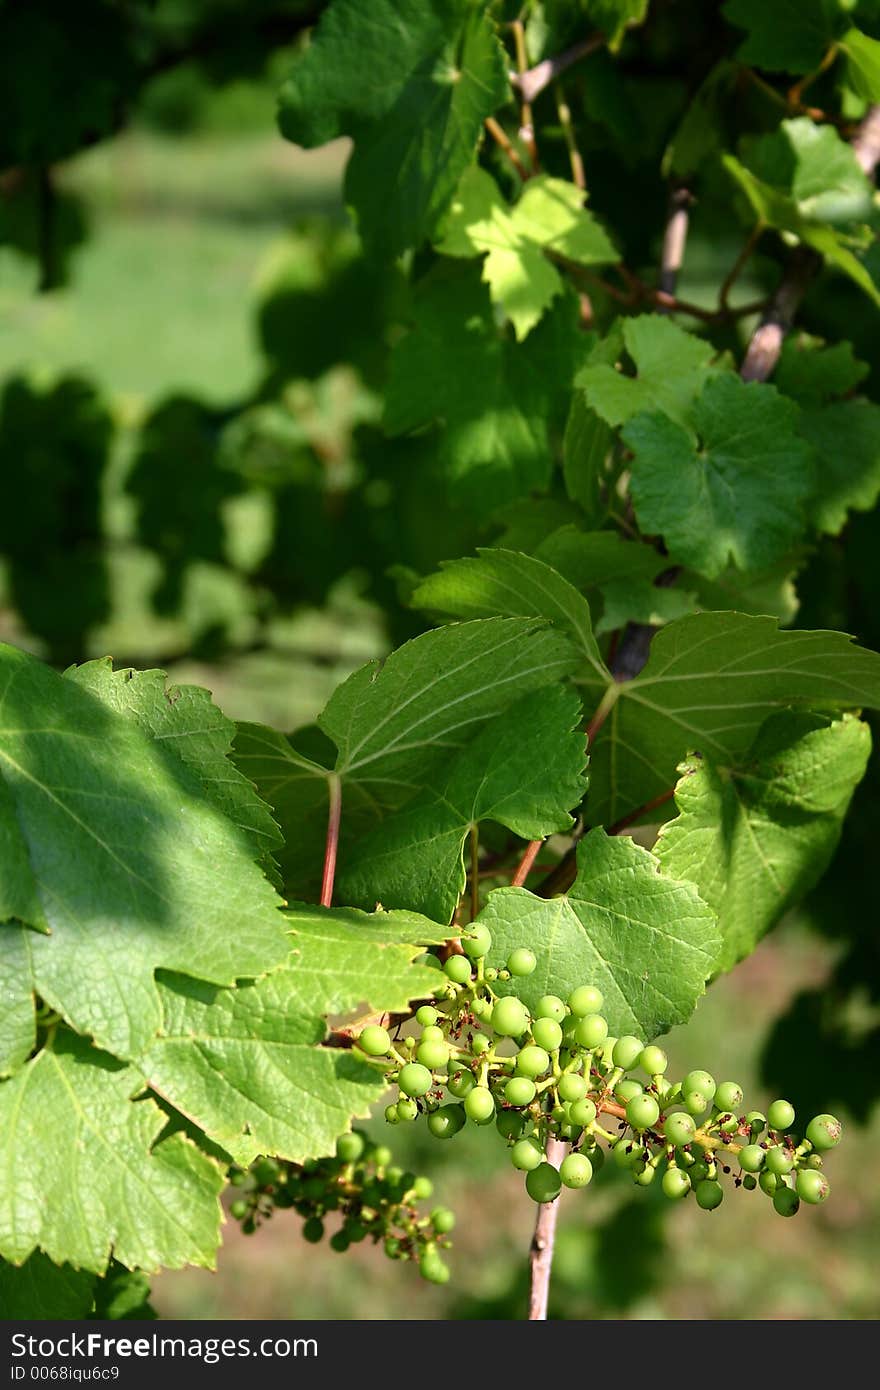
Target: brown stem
x=526 y=121
x=543 y=1240
x=525 y=864
x=739 y=264
x=531 y=84
x=334 y=785
x=501 y=138
x=632 y=816
x=674 y=239
x=804 y=264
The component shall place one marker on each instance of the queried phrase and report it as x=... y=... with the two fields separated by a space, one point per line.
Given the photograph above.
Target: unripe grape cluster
x=554 y=1072
x=376 y=1201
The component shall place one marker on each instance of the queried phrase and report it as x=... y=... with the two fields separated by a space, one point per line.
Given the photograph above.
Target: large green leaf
x=388 y=731
x=710 y=682
x=863 y=63
x=816 y=168
x=754 y=837
x=524 y=771
x=549 y=217
x=648 y=942
x=247 y=1064
x=411 y=81
x=672 y=367
x=496 y=402
x=738 y=493
x=133 y=867
x=81 y=1173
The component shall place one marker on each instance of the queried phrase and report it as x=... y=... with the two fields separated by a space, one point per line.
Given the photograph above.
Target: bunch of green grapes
x=555 y=1073
x=376 y=1201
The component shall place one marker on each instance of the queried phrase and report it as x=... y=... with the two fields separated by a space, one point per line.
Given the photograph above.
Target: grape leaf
x=648 y=942
x=614 y=17
x=133 y=868
x=638 y=601
x=776 y=209
x=411 y=81
x=756 y=836
x=82 y=1174
x=586 y=447
x=672 y=368
x=40 y=1289
x=549 y=217
x=845 y=437
x=710 y=682
x=525 y=771
x=787 y=36
x=184 y=721
x=246 y=1064
x=509 y=584
x=393 y=727
x=739 y=494
x=816 y=168
x=497 y=401
x=812 y=373
x=122 y=1293
x=18 y=1029
x=863 y=63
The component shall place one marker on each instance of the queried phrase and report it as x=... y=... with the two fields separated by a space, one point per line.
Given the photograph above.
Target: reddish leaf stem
x=525 y=864
x=334 y=786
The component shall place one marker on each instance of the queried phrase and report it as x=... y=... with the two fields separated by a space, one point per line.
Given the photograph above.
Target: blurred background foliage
x=192 y=358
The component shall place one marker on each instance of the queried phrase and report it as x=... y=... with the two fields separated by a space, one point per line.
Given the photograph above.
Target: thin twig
x=334 y=812
x=578 y=176
x=543 y=1240
x=632 y=816
x=526 y=121
x=525 y=864
x=531 y=84
x=501 y=138
x=739 y=264
x=674 y=238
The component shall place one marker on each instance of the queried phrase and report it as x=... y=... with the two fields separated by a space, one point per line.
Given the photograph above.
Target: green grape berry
x=780 y=1115
x=627 y=1051
x=550 y=1006
x=391 y=1115
x=709 y=1194
x=480 y=1044
x=653 y=1060
x=519 y=1091
x=433 y=1268
x=479 y=1105
x=778 y=1160
x=443 y=1220
x=477 y=941
x=642 y=1112
x=729 y=1096
x=698 y=1170
x=510 y=1123
x=571 y=1087
x=446 y=1122
x=585 y=1000
x=768 y=1182
x=407 y=1109
x=415 y=1080
x=521 y=962
x=750 y=1182
x=339 y=1241
x=756 y=1122
x=676 y=1184
x=702 y=1082
x=823 y=1132
x=812 y=1187
x=458 y=970
x=381 y=1155
x=349 y=1147
x=752 y=1158
x=313 y=1230
x=575 y=1170
x=239 y=1209
x=679 y=1129
x=627 y=1088
x=646 y=1175
x=696 y=1102
x=543 y=1184
x=627 y=1154
x=375 y=1041
x=785 y=1200
x=433 y=1054
x=426 y=1016
x=591 y=1031
x=582 y=1113
x=526 y=1154
x=532 y=1061
x=510 y=1017
x=422 y=1189
x=547 y=1033
x=460 y=1083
